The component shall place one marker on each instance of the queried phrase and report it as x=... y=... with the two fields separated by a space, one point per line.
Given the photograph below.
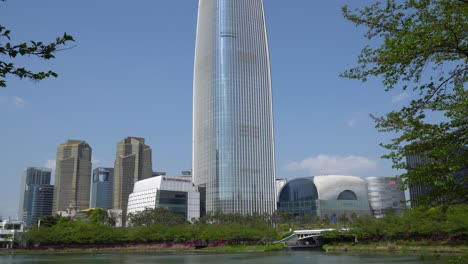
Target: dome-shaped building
x=325 y=195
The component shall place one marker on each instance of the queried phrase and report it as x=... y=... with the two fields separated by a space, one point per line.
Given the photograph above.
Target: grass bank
x=397 y=246
x=139 y=248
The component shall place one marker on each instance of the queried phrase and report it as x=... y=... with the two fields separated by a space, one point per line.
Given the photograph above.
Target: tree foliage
x=51 y=220
x=422 y=47
x=440 y=223
x=9 y=51
x=154 y=216
x=154 y=226
x=101 y=216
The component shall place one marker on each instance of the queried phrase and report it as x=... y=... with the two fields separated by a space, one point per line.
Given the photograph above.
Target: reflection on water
x=309 y=257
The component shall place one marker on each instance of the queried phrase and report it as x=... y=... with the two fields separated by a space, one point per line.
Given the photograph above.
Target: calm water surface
x=306 y=257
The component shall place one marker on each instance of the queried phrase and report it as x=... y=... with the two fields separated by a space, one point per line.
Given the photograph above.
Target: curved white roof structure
x=325 y=195
x=329 y=187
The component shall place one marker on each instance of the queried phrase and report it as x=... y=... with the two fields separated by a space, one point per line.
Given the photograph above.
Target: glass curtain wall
x=233 y=148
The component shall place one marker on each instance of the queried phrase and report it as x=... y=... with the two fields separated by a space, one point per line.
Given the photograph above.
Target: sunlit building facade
x=176 y=194
x=72 y=176
x=233 y=141
x=133 y=163
x=330 y=195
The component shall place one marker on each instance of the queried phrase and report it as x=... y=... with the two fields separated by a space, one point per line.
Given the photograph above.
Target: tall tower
x=35 y=195
x=132 y=164
x=233 y=141
x=102 y=187
x=72 y=175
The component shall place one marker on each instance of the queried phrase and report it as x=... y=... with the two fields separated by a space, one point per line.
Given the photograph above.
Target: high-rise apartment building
x=35 y=195
x=72 y=175
x=233 y=142
x=132 y=164
x=102 y=186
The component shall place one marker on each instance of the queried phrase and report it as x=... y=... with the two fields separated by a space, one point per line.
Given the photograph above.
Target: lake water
x=286 y=257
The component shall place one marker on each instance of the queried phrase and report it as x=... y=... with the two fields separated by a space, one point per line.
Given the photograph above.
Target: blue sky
x=130 y=74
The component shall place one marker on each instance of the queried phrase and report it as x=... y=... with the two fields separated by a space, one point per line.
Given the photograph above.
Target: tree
x=101 y=216
x=422 y=48
x=343 y=219
x=37 y=49
x=154 y=216
x=51 y=220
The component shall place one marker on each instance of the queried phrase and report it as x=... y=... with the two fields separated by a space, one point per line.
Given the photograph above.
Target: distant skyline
x=131 y=72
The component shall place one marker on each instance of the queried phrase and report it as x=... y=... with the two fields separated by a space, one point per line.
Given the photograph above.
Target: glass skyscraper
x=102 y=187
x=233 y=141
x=36 y=195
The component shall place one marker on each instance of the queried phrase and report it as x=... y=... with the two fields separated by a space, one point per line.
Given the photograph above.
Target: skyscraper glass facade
x=233 y=147
x=40 y=197
x=102 y=187
x=35 y=195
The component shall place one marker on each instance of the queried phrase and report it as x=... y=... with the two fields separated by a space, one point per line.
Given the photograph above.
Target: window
x=347 y=195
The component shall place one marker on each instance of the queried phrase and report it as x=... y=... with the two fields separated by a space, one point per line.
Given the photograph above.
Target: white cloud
x=400 y=97
x=326 y=164
x=19 y=102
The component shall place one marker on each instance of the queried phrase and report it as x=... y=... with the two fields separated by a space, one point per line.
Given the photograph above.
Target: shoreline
x=368 y=248
x=144 y=248
x=395 y=247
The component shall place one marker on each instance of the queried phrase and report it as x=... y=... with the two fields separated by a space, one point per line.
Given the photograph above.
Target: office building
x=11 y=232
x=102 y=186
x=419 y=188
x=175 y=194
x=41 y=198
x=330 y=195
x=416 y=189
x=233 y=142
x=132 y=163
x=35 y=195
x=72 y=176
x=385 y=195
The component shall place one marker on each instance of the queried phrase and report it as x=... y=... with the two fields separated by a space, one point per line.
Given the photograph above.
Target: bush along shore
x=428 y=229
x=153 y=229
x=148 y=247
x=396 y=246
